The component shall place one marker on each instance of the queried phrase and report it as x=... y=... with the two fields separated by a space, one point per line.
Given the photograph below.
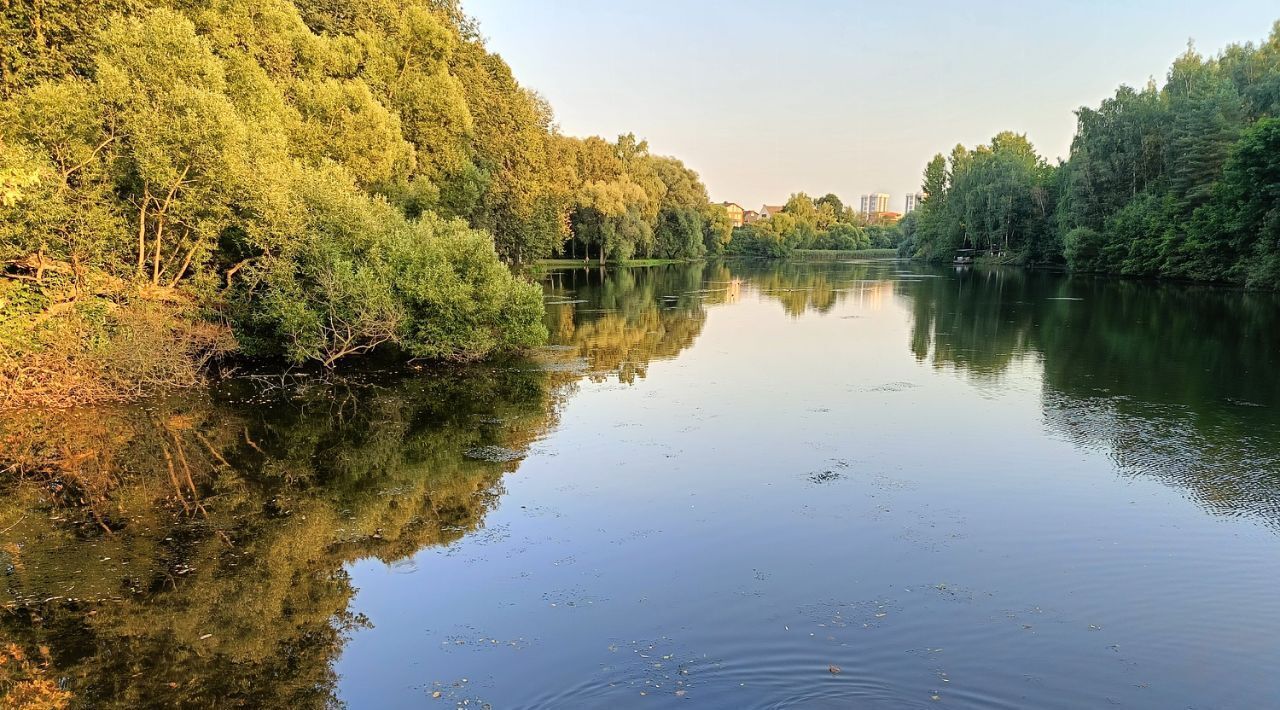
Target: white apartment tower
x=875 y=203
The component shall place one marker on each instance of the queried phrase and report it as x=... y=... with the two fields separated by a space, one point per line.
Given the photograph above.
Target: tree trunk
x=182 y=270
x=155 y=256
x=142 y=229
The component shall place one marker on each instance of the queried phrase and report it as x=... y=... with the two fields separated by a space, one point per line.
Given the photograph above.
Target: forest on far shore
x=1180 y=180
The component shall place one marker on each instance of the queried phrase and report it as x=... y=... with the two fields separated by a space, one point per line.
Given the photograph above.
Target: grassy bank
x=822 y=254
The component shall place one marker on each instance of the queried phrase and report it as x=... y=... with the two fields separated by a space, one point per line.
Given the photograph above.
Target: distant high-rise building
x=874 y=203
x=913 y=203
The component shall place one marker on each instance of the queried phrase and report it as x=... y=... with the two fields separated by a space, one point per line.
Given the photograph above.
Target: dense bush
x=758 y=241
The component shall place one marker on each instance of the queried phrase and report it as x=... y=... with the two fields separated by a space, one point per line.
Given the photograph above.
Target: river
x=726 y=485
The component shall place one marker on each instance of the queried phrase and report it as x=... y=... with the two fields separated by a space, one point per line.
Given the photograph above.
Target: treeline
x=806 y=223
x=1180 y=181
x=298 y=179
x=629 y=203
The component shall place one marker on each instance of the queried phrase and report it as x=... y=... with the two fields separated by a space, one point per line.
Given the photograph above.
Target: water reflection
x=817 y=287
x=193 y=551
x=619 y=320
x=190 y=553
x=1172 y=381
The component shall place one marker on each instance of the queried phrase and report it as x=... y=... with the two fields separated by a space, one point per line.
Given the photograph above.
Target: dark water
x=958 y=489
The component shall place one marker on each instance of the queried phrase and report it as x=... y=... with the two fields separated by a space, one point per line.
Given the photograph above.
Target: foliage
x=320 y=179
x=1179 y=180
x=630 y=203
x=364 y=275
x=997 y=197
x=808 y=224
x=25 y=685
x=770 y=239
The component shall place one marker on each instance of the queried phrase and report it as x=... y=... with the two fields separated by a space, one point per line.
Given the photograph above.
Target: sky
x=765 y=99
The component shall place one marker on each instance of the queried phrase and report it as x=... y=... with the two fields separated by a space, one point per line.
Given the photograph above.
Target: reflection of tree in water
x=804 y=286
x=1174 y=382
x=621 y=320
x=975 y=322
x=189 y=553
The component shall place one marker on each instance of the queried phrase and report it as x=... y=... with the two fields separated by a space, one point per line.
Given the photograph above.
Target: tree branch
x=68 y=172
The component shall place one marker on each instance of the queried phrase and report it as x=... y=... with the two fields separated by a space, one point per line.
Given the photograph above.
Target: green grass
x=846 y=254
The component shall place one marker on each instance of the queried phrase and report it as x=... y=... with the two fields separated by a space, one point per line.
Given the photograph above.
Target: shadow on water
x=191 y=551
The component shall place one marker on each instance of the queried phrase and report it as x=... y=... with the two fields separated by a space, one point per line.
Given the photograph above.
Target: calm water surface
x=720 y=484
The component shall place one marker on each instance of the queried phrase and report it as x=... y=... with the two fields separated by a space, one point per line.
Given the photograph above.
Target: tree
x=197 y=170
x=363 y=276
x=830 y=210
x=935 y=178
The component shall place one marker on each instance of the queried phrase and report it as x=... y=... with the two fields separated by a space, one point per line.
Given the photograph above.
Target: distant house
x=768 y=211
x=735 y=212
x=750 y=216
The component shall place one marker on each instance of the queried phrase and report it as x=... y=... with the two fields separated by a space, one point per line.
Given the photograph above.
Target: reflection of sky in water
x=912 y=479
x=719 y=482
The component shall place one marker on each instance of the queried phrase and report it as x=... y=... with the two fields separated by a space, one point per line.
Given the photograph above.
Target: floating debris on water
x=892 y=387
x=825 y=476
x=494 y=454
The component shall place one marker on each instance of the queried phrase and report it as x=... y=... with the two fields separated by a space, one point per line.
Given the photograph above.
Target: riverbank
x=822 y=254
x=557 y=263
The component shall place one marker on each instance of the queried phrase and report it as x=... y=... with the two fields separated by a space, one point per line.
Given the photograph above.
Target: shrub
x=1084 y=249
x=363 y=276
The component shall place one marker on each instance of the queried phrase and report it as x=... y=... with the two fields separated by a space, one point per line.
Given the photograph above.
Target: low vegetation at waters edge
x=822 y=224
x=552 y=263
x=825 y=254
x=289 y=179
x=1181 y=181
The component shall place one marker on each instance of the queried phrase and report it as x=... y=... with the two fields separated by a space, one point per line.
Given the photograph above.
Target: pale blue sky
x=768 y=98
